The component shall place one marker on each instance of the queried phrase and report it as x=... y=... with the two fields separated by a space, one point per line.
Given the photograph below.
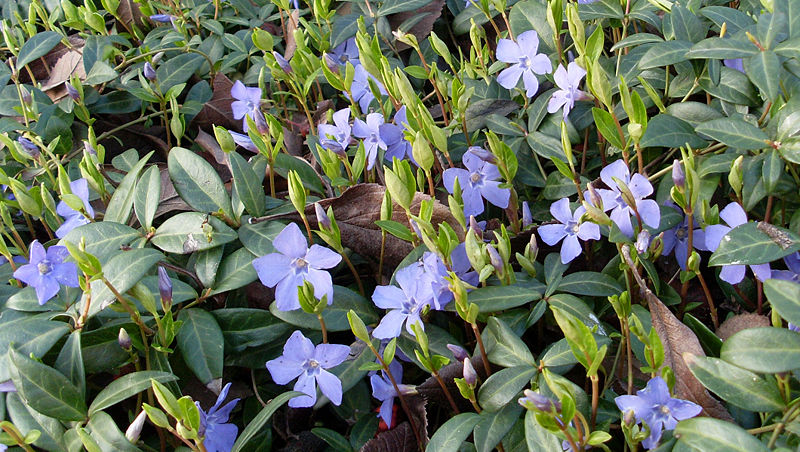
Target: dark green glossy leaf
x=119 y=208
x=29 y=335
x=539 y=439
x=500 y=298
x=197 y=182
x=258 y=237
x=705 y=433
x=254 y=427
x=184 y=233
x=201 y=343
x=504 y=347
x=147 y=196
x=37 y=46
x=494 y=425
x=243 y=328
x=670 y=132
x=754 y=243
x=235 y=271
x=122 y=271
x=45 y=389
x=589 y=283
x=764 y=70
x=784 y=297
x=26 y=419
x=501 y=387
x=108 y=435
x=763 y=350
x=247 y=185
x=665 y=53
x=450 y=436
x=178 y=70
x=103 y=240
x=127 y=386
x=735 y=385
x=335 y=315
x=70 y=361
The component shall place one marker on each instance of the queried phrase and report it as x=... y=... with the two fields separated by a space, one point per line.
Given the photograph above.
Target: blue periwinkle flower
x=383 y=390
x=346 y=52
x=376 y=134
x=244 y=141
x=248 y=102
x=570 y=229
x=47 y=270
x=477 y=182
x=405 y=303
x=639 y=187
x=792 y=273
x=149 y=72
x=29 y=146
x=677 y=239
x=525 y=61
x=219 y=435
x=293 y=264
x=567 y=80
x=336 y=137
x=360 y=88
x=72 y=217
x=654 y=406
x=400 y=148
x=733 y=215
x=302 y=359
x=161 y=18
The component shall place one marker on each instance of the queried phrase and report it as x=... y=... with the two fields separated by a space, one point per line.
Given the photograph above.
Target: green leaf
x=247 y=185
x=235 y=271
x=705 y=433
x=201 y=343
x=178 y=70
x=37 y=46
x=197 y=182
x=29 y=335
x=721 y=48
x=184 y=233
x=122 y=271
x=784 y=296
x=525 y=15
x=450 y=436
x=119 y=208
x=763 y=350
x=103 y=239
x=734 y=384
x=606 y=125
x=147 y=196
x=285 y=162
x=334 y=439
x=664 y=54
x=667 y=131
x=589 y=283
x=45 y=389
x=125 y=387
x=206 y=265
x=754 y=243
x=335 y=315
x=494 y=425
x=501 y=387
x=539 y=439
x=400 y=6
x=243 y=328
x=504 y=347
x=764 y=70
x=735 y=133
x=395 y=228
x=26 y=419
x=258 y=237
x=500 y=298
x=70 y=361
x=254 y=427
x=108 y=435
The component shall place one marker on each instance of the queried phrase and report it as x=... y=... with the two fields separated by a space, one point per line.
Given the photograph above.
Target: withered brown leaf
x=218 y=111
x=401 y=438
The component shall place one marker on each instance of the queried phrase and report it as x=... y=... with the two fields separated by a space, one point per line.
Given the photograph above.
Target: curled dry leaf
x=217 y=111
x=356 y=211
x=292 y=24
x=401 y=438
x=433 y=392
x=741 y=322
x=678 y=339
x=422 y=20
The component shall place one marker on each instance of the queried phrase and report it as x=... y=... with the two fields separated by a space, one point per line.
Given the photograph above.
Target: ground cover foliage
x=400 y=225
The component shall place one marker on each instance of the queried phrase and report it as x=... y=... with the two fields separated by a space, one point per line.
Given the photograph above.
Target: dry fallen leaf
x=741 y=322
x=421 y=29
x=401 y=438
x=678 y=339
x=68 y=64
x=292 y=24
x=217 y=111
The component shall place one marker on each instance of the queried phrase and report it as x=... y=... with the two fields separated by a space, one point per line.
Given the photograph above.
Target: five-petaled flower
x=405 y=303
x=478 y=181
x=360 y=88
x=436 y=271
x=383 y=390
x=336 y=136
x=570 y=229
x=568 y=80
x=733 y=215
x=46 y=271
x=792 y=273
x=677 y=239
x=219 y=435
x=293 y=264
x=376 y=134
x=247 y=103
x=639 y=187
x=301 y=359
x=346 y=52
x=400 y=148
x=72 y=217
x=525 y=60
x=654 y=406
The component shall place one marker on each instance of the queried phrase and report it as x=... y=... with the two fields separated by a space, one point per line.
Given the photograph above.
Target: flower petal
x=531 y=83
x=732 y=274
x=509 y=77
x=552 y=233
x=733 y=214
x=305 y=384
x=331 y=355
x=291 y=242
x=540 y=64
x=272 y=268
x=528 y=43
x=494 y=194
x=390 y=325
x=321 y=257
x=286 y=298
x=570 y=249
x=322 y=282
x=616 y=169
x=650 y=212
x=331 y=386
x=561 y=211
x=589 y=231
x=388 y=297
x=508 y=51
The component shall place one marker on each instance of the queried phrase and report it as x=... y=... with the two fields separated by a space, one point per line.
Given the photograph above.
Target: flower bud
x=470 y=376
x=29 y=146
x=483 y=154
x=135 y=429
x=149 y=72
x=26 y=96
x=331 y=63
x=642 y=241
x=527 y=218
x=162 y=18
x=72 y=92
x=629 y=418
x=165 y=289
x=282 y=62
x=458 y=352
x=495 y=260
x=124 y=340
x=475 y=227
x=541 y=402
x=532 y=250
x=678 y=176
x=594 y=197
x=322 y=218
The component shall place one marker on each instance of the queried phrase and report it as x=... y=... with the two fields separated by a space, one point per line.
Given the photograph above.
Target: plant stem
x=484 y=357
x=354 y=272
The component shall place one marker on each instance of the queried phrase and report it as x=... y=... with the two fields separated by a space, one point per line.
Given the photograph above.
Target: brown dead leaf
x=68 y=64
x=356 y=211
x=170 y=201
x=210 y=145
x=217 y=111
x=433 y=392
x=741 y=322
x=421 y=29
x=292 y=23
x=678 y=339
x=129 y=12
x=41 y=67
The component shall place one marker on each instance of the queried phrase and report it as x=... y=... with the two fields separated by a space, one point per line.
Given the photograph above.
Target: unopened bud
x=594 y=197
x=532 y=250
x=331 y=63
x=124 y=340
x=495 y=260
x=282 y=62
x=470 y=376
x=541 y=402
x=135 y=429
x=678 y=176
x=475 y=228
x=629 y=418
x=149 y=72
x=72 y=92
x=694 y=262
x=261 y=123
x=635 y=131
x=165 y=289
x=642 y=241
x=29 y=146
x=458 y=352
x=322 y=218
x=482 y=154
x=527 y=218
x=26 y=96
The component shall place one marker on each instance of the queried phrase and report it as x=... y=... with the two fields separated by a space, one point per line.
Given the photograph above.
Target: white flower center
x=300 y=264
x=44 y=267
x=525 y=62
x=475 y=177
x=664 y=409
